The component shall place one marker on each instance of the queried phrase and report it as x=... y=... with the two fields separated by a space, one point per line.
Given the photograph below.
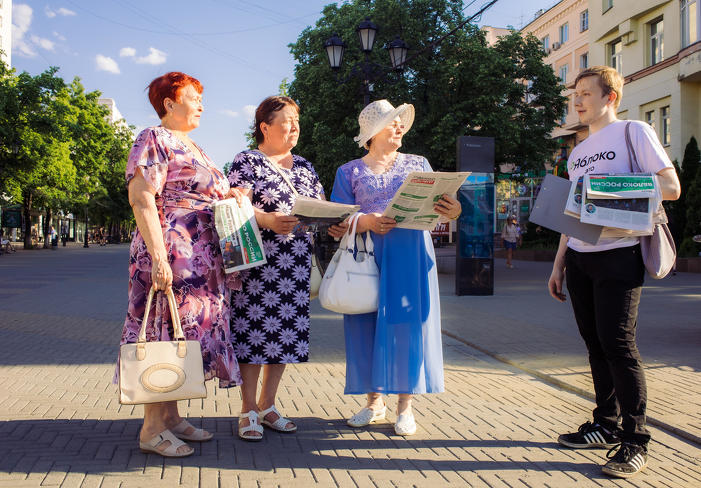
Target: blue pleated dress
x=398 y=348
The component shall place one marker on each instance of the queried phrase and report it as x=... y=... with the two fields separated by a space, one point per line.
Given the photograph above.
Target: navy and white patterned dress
x=270 y=315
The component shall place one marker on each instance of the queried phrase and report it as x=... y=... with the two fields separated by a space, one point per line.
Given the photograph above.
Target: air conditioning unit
x=556 y=46
x=548 y=50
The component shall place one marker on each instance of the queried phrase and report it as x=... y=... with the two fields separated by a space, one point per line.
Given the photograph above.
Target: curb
x=572 y=389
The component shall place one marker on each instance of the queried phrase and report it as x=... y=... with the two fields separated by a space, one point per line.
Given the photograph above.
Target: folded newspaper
x=239 y=238
x=621 y=186
x=317 y=215
x=611 y=209
x=573 y=207
x=412 y=204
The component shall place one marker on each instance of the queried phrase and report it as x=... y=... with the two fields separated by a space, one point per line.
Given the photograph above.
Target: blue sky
x=236 y=48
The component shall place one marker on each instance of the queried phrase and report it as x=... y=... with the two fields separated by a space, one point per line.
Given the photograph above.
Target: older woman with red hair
x=172 y=184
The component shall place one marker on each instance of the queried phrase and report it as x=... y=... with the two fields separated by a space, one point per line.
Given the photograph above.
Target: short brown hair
x=610 y=80
x=266 y=112
x=169 y=86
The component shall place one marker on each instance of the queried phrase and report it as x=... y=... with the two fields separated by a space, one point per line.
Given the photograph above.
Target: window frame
x=545 y=41
x=656 y=41
x=650 y=119
x=584 y=20
x=585 y=57
x=685 y=22
x=566 y=68
x=606 y=5
x=666 y=125
x=564 y=33
x=613 y=55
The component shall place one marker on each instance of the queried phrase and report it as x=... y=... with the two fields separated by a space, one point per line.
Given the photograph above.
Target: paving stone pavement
x=61 y=424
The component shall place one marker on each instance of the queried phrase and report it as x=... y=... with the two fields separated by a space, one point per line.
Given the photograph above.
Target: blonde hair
x=610 y=80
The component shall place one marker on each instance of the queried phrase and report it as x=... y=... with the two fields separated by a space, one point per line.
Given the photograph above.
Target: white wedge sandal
x=253 y=426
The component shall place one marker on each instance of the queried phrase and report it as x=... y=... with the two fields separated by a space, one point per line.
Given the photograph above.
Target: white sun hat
x=378 y=115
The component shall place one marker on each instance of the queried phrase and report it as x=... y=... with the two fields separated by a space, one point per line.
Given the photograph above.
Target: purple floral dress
x=185 y=188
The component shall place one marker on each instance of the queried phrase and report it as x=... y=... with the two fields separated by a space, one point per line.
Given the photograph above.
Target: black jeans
x=605 y=290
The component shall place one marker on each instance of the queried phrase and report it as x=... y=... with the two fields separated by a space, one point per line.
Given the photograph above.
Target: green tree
x=459 y=87
x=251 y=143
x=687 y=174
x=689 y=248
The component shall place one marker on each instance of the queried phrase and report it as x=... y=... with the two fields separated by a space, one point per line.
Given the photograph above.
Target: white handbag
x=351 y=284
x=161 y=371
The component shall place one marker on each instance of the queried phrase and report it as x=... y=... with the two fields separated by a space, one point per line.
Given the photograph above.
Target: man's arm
x=558 y=274
x=668 y=182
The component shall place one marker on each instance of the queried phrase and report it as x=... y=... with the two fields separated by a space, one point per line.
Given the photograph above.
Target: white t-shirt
x=605 y=151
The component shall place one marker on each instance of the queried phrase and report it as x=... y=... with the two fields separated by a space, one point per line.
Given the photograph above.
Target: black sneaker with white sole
x=589 y=436
x=628 y=461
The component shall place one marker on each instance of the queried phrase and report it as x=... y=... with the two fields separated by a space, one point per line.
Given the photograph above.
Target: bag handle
x=279 y=171
x=177 y=327
x=350 y=233
x=660 y=215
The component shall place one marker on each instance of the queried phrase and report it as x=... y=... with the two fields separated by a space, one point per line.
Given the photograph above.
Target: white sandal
x=405 y=424
x=170 y=451
x=367 y=416
x=198 y=435
x=280 y=424
x=253 y=426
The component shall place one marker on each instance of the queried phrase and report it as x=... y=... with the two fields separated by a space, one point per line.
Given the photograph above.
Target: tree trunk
x=47 y=229
x=27 y=210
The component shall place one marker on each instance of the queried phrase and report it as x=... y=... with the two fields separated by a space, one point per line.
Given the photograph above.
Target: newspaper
x=638 y=185
x=573 y=206
x=318 y=215
x=632 y=214
x=239 y=238
x=412 y=205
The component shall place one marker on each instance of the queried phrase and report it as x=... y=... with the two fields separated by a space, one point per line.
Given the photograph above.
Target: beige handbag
x=161 y=371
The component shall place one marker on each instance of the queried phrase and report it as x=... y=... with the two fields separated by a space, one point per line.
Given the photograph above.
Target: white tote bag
x=351 y=284
x=161 y=371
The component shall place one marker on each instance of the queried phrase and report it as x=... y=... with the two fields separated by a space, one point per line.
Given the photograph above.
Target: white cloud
x=59 y=36
x=49 y=13
x=65 y=12
x=250 y=111
x=230 y=113
x=127 y=52
x=105 y=63
x=21 y=20
x=154 y=57
x=43 y=43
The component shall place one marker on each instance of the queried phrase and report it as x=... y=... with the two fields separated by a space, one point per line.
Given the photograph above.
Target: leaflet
x=412 y=205
x=239 y=237
x=622 y=213
x=315 y=214
x=573 y=206
x=637 y=185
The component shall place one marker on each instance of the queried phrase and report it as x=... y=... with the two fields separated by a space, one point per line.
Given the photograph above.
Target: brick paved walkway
x=61 y=424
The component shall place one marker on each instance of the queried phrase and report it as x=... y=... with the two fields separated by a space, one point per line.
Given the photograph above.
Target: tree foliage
x=687 y=174
x=460 y=87
x=56 y=145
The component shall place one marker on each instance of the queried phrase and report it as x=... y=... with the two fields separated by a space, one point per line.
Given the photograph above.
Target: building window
x=564 y=32
x=584 y=21
x=563 y=74
x=690 y=22
x=650 y=118
x=615 y=55
x=606 y=5
x=656 y=41
x=584 y=61
x=563 y=119
x=666 y=126
x=546 y=43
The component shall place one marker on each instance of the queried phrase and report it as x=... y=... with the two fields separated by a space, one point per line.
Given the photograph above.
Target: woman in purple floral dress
x=172 y=185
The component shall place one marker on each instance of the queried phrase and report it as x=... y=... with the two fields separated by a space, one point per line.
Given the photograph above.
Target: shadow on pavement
x=110 y=446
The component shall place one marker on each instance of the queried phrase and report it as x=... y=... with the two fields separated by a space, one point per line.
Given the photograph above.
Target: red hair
x=169 y=86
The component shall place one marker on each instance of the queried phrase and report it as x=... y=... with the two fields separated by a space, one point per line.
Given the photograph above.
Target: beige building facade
x=6 y=31
x=656 y=46
x=563 y=31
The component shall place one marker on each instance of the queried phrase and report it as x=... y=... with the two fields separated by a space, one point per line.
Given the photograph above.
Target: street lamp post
x=366 y=70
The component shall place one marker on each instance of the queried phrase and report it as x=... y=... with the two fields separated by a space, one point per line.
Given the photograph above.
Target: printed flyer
x=239 y=237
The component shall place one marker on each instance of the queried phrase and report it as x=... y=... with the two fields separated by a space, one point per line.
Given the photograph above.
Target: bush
x=537 y=237
x=689 y=248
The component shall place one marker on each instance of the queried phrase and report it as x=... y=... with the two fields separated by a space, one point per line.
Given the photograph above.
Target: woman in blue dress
x=396 y=350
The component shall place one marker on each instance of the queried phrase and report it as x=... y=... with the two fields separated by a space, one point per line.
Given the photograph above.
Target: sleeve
x=650 y=154
x=426 y=165
x=241 y=173
x=342 y=190
x=150 y=155
x=315 y=184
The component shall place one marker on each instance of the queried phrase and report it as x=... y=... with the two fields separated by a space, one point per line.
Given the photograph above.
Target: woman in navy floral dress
x=270 y=315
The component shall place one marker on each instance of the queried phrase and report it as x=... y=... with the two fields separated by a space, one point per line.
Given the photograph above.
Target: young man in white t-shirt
x=605 y=280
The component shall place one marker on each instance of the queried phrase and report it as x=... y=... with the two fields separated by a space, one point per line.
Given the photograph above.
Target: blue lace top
x=356 y=184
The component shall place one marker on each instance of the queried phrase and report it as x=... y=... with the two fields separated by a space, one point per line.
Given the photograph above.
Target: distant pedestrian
x=511 y=234
x=605 y=279
x=54 y=238
x=397 y=349
x=172 y=185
